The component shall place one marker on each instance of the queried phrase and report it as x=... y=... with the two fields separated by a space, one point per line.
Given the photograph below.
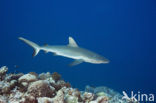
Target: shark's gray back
x=68 y=50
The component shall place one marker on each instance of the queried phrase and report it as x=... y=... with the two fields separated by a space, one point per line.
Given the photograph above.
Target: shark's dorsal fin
x=72 y=42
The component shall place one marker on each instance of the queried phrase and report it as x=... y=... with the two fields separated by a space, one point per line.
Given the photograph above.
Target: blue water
x=122 y=31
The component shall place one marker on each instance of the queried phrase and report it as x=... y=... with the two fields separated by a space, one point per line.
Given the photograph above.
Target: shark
x=71 y=50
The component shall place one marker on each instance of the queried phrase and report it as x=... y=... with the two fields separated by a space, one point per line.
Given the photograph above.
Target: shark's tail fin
x=32 y=44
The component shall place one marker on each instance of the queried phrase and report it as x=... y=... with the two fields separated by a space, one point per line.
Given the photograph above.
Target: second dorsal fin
x=72 y=42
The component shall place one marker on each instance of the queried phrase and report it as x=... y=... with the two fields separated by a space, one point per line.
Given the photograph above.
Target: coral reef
x=56 y=76
x=41 y=88
x=49 y=88
x=3 y=71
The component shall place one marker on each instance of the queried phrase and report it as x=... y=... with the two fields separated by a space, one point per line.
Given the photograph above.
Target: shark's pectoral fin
x=76 y=62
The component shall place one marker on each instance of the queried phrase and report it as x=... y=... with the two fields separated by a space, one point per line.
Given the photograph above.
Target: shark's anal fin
x=45 y=44
x=45 y=51
x=72 y=42
x=76 y=62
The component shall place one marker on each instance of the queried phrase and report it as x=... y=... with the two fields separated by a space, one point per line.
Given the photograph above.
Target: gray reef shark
x=72 y=50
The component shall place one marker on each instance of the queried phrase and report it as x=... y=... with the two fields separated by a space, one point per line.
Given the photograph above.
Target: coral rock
x=15 y=96
x=28 y=99
x=87 y=96
x=44 y=76
x=10 y=77
x=56 y=76
x=71 y=99
x=6 y=87
x=60 y=84
x=72 y=94
x=100 y=94
x=112 y=95
x=25 y=84
x=44 y=100
x=3 y=99
x=102 y=99
x=41 y=88
x=3 y=71
x=27 y=78
x=59 y=98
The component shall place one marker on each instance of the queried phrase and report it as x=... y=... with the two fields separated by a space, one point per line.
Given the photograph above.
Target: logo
x=138 y=97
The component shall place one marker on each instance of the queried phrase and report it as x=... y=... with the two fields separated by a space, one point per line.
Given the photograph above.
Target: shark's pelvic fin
x=55 y=54
x=72 y=42
x=32 y=44
x=76 y=62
